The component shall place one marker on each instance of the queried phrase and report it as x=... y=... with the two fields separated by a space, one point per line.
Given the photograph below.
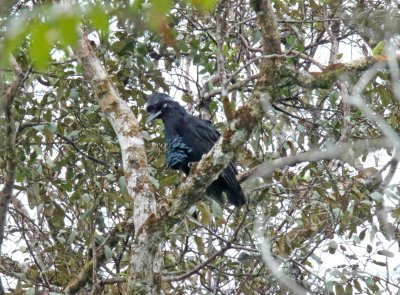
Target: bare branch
x=345 y=151
x=356 y=100
x=392 y=170
x=264 y=247
x=98 y=259
x=220 y=252
x=105 y=164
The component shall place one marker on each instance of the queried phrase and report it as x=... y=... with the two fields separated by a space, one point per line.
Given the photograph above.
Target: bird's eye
x=164 y=105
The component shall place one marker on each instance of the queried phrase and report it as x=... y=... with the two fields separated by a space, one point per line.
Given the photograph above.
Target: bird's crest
x=156 y=98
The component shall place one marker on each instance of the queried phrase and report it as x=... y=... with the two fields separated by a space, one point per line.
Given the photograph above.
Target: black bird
x=188 y=138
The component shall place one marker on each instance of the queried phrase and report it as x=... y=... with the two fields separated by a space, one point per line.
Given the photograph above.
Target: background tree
x=305 y=94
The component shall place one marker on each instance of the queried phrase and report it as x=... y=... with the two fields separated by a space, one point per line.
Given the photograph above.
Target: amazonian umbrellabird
x=188 y=138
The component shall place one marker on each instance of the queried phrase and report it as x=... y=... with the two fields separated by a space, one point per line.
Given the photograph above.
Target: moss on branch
x=326 y=78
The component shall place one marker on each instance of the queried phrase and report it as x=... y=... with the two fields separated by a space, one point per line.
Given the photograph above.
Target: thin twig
x=227 y=246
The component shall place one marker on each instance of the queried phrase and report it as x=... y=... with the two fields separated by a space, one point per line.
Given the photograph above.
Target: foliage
x=333 y=224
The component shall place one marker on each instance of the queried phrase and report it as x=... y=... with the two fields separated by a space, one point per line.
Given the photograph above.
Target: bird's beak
x=152 y=117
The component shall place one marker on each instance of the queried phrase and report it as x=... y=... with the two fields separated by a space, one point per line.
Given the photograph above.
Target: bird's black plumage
x=188 y=139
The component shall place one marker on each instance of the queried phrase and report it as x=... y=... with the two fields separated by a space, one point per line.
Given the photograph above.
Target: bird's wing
x=207 y=131
x=204 y=130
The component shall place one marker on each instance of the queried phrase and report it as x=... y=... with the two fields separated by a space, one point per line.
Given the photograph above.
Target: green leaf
x=204 y=4
x=73 y=135
x=47 y=116
x=122 y=186
x=216 y=209
x=257 y=36
x=212 y=106
x=370 y=282
x=329 y=286
x=348 y=290
x=396 y=213
x=378 y=49
x=99 y=18
x=67 y=27
x=58 y=216
x=108 y=252
x=378 y=197
x=361 y=236
x=14 y=37
x=72 y=237
x=61 y=239
x=88 y=212
x=200 y=244
x=146 y=135
x=161 y=6
x=20 y=275
x=169 y=180
x=40 y=45
x=356 y=239
x=339 y=290
x=332 y=246
x=74 y=94
x=393 y=120
x=386 y=253
x=187 y=98
x=50 y=127
x=86 y=198
x=384 y=94
x=157 y=17
x=169 y=259
x=205 y=218
x=379 y=263
x=155 y=182
x=357 y=285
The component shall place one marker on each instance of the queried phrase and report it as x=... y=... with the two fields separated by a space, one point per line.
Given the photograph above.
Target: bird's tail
x=215 y=191
x=236 y=197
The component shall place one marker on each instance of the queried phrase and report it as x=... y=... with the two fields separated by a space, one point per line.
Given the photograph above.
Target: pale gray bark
x=10 y=155
x=145 y=259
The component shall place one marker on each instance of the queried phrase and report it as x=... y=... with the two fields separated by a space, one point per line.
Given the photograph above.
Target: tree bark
x=145 y=266
x=10 y=154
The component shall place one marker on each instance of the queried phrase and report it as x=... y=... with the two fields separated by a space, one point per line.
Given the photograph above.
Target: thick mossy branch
x=269 y=26
x=212 y=164
x=145 y=262
x=326 y=78
x=270 y=69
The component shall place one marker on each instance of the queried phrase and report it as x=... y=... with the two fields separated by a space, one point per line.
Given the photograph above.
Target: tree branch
x=233 y=139
x=10 y=155
x=220 y=252
x=145 y=264
x=269 y=26
x=345 y=151
x=79 y=151
x=328 y=77
x=99 y=258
